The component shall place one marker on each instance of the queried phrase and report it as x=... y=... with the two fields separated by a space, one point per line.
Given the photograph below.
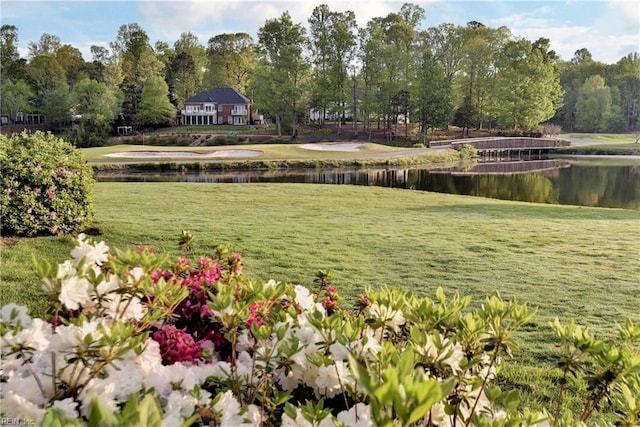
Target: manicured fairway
x=572 y=262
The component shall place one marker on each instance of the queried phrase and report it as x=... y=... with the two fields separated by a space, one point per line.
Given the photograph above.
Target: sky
x=609 y=29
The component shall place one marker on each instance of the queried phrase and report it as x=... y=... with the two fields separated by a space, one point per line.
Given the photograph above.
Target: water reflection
x=545 y=181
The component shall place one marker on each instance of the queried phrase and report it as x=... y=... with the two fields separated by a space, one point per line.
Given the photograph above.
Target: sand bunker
x=333 y=146
x=185 y=154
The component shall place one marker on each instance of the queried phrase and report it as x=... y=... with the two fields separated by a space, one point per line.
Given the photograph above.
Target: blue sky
x=610 y=29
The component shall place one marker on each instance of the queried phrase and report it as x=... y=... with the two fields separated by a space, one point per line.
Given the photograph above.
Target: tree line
x=389 y=71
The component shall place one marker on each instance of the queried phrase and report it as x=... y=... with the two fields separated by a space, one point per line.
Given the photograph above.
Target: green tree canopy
x=155 y=108
x=15 y=98
x=231 y=57
x=594 y=102
x=282 y=74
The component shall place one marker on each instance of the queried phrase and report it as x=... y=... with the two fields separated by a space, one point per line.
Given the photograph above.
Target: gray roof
x=220 y=95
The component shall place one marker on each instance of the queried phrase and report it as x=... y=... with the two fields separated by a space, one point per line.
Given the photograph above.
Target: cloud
x=165 y=20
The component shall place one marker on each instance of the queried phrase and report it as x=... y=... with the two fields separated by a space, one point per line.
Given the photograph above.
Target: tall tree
x=155 y=108
x=15 y=99
x=47 y=45
x=97 y=105
x=432 y=93
x=182 y=78
x=281 y=44
x=400 y=39
x=332 y=42
x=50 y=87
x=594 y=102
x=482 y=47
x=136 y=62
x=626 y=77
x=572 y=76
x=231 y=57
x=11 y=65
x=526 y=90
x=446 y=42
x=320 y=47
x=70 y=58
x=370 y=46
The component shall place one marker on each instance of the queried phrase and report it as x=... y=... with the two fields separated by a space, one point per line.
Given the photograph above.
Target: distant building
x=219 y=106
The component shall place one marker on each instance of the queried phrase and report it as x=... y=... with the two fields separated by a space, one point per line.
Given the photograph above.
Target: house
x=217 y=106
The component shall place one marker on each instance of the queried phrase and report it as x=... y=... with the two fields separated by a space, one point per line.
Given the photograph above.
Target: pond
x=598 y=182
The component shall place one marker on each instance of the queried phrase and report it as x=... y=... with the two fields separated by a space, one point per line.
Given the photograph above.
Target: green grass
x=603 y=138
x=577 y=263
x=601 y=144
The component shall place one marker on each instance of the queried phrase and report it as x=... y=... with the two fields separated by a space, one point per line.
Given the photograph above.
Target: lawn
x=573 y=262
x=577 y=263
x=601 y=144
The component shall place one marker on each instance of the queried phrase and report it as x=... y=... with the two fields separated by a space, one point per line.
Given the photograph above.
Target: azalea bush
x=47 y=186
x=132 y=338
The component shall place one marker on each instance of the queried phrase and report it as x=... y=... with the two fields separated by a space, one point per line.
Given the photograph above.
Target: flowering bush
x=135 y=340
x=47 y=187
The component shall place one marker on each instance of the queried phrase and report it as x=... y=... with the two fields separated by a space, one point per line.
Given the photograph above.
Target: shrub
x=47 y=186
x=132 y=337
x=468 y=151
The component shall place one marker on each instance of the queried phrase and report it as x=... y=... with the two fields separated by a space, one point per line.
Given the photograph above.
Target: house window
x=219 y=107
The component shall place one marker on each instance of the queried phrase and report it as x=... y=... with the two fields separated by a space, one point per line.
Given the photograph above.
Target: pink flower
x=51 y=194
x=331 y=291
x=54 y=216
x=37 y=190
x=176 y=345
x=364 y=300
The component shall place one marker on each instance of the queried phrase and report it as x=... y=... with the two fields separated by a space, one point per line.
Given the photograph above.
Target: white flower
x=289 y=380
x=28 y=388
x=228 y=407
x=74 y=292
x=66 y=269
x=68 y=406
x=12 y=314
x=304 y=298
x=332 y=378
x=69 y=337
x=35 y=337
x=357 y=416
x=16 y=406
x=107 y=286
x=136 y=274
x=126 y=378
x=271 y=284
x=221 y=371
x=390 y=317
x=92 y=255
x=339 y=351
x=245 y=341
x=122 y=308
x=371 y=345
x=182 y=403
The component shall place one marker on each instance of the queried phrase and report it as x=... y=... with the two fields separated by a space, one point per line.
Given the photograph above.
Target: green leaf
x=150 y=412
